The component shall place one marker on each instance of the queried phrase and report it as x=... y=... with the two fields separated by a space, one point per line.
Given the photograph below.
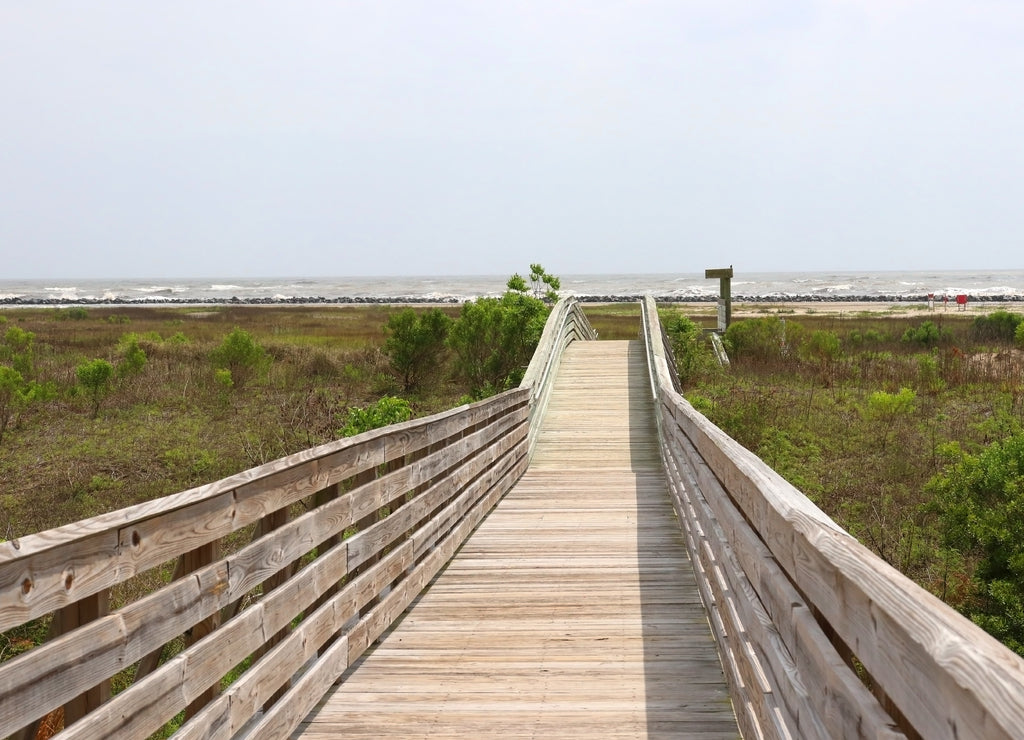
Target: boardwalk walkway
x=571 y=611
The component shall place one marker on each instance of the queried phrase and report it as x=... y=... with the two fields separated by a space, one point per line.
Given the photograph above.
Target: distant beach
x=883 y=287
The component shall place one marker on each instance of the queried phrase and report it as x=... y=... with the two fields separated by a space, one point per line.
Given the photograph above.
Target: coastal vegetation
x=908 y=432
x=141 y=402
x=105 y=407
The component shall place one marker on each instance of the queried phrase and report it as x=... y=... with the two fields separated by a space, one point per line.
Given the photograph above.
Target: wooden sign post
x=724 y=295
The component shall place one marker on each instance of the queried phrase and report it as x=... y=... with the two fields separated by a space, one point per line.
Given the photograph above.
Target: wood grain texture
x=571 y=611
x=822 y=694
x=49 y=570
x=451 y=460
x=945 y=675
x=566 y=324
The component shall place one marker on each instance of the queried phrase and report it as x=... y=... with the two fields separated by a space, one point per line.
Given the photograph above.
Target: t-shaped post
x=724 y=295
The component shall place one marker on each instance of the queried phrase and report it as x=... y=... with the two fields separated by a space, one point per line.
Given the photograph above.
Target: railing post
x=269 y=523
x=191 y=561
x=70 y=618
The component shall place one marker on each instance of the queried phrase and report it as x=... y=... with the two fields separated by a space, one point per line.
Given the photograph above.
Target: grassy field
x=171 y=426
x=861 y=410
x=816 y=419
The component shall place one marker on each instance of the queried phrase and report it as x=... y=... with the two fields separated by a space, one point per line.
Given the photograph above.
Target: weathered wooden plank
x=286 y=714
x=70 y=618
x=568 y=592
x=69 y=565
x=234 y=710
x=846 y=708
x=381 y=534
x=43 y=572
x=946 y=676
x=179 y=682
x=154 y=620
x=566 y=324
x=389 y=487
x=31 y=686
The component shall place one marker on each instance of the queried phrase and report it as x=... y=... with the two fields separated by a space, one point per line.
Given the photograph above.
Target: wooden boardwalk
x=572 y=610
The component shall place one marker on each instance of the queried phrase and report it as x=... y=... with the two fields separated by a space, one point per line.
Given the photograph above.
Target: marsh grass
x=837 y=432
x=171 y=426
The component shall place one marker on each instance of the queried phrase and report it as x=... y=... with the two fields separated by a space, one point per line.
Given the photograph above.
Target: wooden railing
x=820 y=638
x=245 y=639
x=566 y=324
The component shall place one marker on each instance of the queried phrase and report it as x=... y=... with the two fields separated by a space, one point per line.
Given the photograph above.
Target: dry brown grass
x=172 y=427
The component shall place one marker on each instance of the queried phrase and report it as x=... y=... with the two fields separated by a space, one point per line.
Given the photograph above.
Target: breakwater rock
x=434 y=300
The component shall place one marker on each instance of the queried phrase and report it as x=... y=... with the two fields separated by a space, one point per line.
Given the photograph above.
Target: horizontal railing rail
x=819 y=636
x=245 y=638
x=566 y=324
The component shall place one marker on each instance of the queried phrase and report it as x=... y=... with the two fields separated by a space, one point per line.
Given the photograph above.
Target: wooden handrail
x=299 y=603
x=565 y=324
x=800 y=607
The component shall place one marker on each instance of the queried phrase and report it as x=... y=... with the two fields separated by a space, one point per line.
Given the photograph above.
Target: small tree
x=762 y=340
x=18 y=348
x=240 y=354
x=18 y=394
x=1000 y=326
x=689 y=347
x=494 y=338
x=927 y=334
x=416 y=344
x=95 y=377
x=133 y=357
x=545 y=286
x=888 y=408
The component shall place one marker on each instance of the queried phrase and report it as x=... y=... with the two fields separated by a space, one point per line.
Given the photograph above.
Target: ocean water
x=998 y=285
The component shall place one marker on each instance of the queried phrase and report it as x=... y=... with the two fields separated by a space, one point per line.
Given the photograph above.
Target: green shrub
x=133 y=357
x=888 y=408
x=927 y=334
x=19 y=348
x=762 y=340
x=415 y=345
x=980 y=503
x=388 y=410
x=222 y=379
x=929 y=374
x=74 y=313
x=857 y=338
x=998 y=326
x=494 y=338
x=823 y=349
x=18 y=394
x=240 y=354
x=689 y=347
x=95 y=376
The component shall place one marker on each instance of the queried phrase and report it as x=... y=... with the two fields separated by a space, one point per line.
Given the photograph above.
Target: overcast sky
x=265 y=139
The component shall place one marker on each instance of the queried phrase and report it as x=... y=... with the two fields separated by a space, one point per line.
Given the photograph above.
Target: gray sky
x=259 y=139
